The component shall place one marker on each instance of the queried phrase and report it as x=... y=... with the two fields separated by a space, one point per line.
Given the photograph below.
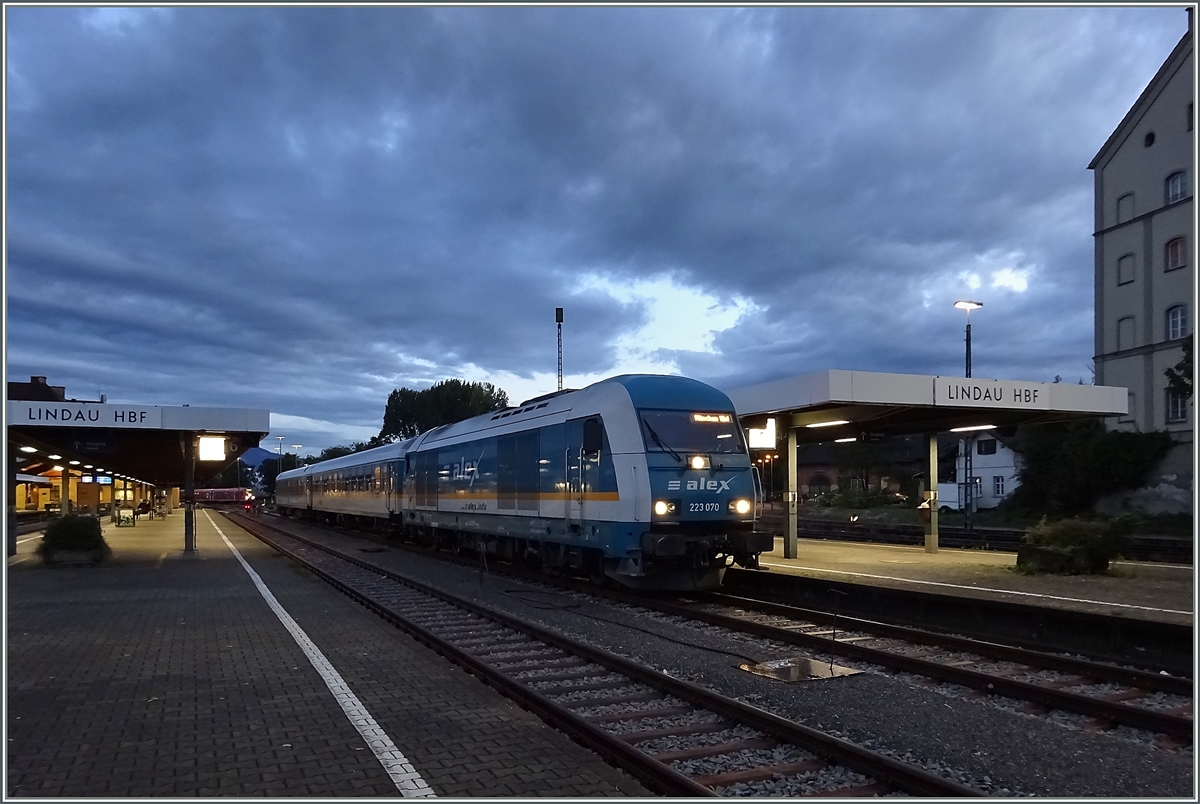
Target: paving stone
x=151 y=676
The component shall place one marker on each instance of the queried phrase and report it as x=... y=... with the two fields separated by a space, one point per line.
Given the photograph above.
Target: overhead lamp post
x=297 y=448
x=964 y=304
x=968 y=467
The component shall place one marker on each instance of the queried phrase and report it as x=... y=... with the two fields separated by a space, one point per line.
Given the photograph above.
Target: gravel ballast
x=988 y=745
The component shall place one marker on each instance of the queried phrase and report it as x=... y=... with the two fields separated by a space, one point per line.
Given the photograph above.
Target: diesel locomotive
x=643 y=480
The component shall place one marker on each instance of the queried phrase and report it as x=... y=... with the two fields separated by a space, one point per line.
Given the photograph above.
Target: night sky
x=300 y=209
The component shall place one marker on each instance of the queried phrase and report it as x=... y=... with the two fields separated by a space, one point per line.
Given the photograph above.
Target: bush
x=1065 y=468
x=1074 y=545
x=73 y=532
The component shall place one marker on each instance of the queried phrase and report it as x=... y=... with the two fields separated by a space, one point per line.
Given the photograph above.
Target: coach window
x=1176 y=256
x=1124 y=207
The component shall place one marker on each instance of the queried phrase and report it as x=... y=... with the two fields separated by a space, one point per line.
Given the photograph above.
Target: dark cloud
x=302 y=208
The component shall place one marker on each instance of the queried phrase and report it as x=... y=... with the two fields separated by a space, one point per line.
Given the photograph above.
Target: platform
x=1136 y=589
x=164 y=673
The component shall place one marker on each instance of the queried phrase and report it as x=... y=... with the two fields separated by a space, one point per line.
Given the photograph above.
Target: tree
x=409 y=413
x=270 y=469
x=1179 y=378
x=1065 y=468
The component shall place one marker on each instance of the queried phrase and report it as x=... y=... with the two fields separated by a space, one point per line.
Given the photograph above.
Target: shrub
x=1074 y=545
x=73 y=532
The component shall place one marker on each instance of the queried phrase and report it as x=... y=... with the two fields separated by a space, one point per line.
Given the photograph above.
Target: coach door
x=308 y=492
x=585 y=438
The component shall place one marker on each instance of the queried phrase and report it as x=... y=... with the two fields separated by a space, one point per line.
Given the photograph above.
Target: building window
x=1126 y=269
x=1176 y=256
x=1177 y=324
x=1175 y=187
x=1125 y=333
x=997 y=485
x=1125 y=207
x=1176 y=406
x=1131 y=416
x=986 y=446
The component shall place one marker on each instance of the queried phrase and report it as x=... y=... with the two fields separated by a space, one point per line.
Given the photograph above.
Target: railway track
x=1103 y=695
x=1108 y=694
x=674 y=736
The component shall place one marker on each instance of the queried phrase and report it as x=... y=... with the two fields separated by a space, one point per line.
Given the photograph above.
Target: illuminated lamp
x=212 y=448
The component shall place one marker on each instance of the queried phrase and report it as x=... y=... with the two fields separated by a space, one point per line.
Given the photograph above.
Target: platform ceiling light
x=87 y=466
x=212 y=448
x=828 y=424
x=973 y=427
x=28 y=449
x=58 y=468
x=844 y=440
x=73 y=463
x=54 y=457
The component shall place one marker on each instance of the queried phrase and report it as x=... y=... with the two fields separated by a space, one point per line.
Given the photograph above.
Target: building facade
x=994 y=467
x=1145 y=266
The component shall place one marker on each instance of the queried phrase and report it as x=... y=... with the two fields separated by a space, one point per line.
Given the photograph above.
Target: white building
x=993 y=466
x=1145 y=266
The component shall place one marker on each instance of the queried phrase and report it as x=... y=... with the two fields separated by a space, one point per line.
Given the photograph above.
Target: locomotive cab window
x=692 y=431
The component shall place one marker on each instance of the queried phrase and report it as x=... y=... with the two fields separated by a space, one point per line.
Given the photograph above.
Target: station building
x=1145 y=267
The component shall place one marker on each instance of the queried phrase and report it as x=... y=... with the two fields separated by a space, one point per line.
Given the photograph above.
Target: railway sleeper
x=674 y=731
x=803 y=767
x=716 y=750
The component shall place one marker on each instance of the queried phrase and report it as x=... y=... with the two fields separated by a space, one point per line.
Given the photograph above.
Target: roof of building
x=1156 y=85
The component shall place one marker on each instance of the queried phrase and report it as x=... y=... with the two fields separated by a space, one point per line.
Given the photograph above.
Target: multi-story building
x=1145 y=266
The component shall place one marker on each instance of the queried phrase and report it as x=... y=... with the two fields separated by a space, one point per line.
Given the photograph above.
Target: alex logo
x=699 y=485
x=466 y=470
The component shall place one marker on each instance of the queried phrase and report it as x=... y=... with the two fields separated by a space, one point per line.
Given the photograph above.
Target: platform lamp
x=963 y=304
x=968 y=468
x=297 y=448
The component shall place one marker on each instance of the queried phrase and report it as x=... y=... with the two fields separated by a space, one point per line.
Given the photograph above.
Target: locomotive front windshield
x=692 y=431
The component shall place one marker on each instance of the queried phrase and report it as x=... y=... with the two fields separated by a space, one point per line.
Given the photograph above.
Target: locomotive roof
x=645 y=391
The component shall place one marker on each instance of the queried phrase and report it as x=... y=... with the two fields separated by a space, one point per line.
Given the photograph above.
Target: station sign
x=977 y=393
x=78 y=414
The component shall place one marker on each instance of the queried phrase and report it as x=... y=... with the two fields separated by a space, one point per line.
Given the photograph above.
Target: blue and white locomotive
x=643 y=479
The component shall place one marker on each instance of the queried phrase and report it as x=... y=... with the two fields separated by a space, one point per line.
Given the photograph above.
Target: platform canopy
x=838 y=405
x=143 y=443
x=876 y=405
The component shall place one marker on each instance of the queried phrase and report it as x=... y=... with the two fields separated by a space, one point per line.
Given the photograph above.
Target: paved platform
x=1160 y=592
x=163 y=673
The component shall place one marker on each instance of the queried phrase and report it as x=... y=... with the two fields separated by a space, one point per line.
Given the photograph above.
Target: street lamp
x=297 y=447
x=968 y=468
x=963 y=304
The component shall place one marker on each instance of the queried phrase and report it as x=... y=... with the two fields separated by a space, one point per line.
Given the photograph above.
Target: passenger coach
x=641 y=479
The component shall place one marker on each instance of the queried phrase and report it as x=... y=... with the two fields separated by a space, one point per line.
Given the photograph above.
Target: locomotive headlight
x=664 y=507
x=739 y=506
x=699 y=462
